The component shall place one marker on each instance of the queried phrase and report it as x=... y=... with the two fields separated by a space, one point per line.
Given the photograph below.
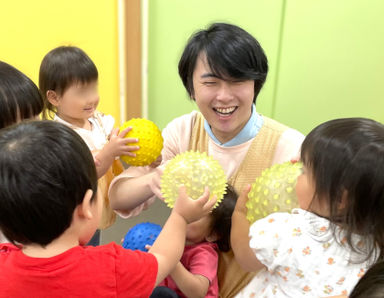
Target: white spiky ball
x=194 y=170
x=273 y=191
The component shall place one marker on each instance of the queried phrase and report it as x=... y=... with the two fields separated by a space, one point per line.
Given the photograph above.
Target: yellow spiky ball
x=195 y=170
x=273 y=191
x=150 y=141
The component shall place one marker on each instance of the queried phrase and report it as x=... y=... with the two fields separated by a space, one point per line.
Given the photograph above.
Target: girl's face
x=78 y=103
x=198 y=231
x=305 y=188
x=305 y=191
x=225 y=104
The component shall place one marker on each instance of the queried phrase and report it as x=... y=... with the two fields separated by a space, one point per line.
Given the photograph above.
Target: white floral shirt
x=302 y=257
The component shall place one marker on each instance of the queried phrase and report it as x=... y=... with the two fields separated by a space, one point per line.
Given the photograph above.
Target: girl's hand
x=117 y=144
x=190 y=209
x=242 y=200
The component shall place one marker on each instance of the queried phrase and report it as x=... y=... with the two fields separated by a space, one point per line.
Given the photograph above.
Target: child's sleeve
x=205 y=261
x=266 y=238
x=136 y=272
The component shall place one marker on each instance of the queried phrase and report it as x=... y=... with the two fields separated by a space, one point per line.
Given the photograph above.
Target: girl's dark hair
x=371 y=285
x=222 y=219
x=231 y=52
x=346 y=159
x=19 y=96
x=45 y=171
x=61 y=68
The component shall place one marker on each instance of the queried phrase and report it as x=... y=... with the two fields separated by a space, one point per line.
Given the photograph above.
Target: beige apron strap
x=199 y=137
x=232 y=278
x=259 y=157
x=230 y=275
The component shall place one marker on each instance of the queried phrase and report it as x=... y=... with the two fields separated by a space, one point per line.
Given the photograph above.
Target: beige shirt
x=177 y=136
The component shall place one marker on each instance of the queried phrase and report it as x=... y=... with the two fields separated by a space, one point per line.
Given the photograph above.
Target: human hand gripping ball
x=141 y=235
x=150 y=141
x=195 y=171
x=273 y=191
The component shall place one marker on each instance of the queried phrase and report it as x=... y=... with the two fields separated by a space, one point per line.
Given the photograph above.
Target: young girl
x=196 y=273
x=326 y=245
x=68 y=81
x=19 y=99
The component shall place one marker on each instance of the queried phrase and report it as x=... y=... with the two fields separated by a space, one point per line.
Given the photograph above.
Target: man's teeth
x=225 y=110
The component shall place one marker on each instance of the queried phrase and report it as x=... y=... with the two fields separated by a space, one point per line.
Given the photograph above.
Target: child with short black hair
x=19 y=96
x=326 y=245
x=20 y=99
x=196 y=273
x=68 y=80
x=50 y=183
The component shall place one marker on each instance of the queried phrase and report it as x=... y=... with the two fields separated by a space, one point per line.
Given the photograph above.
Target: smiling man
x=223 y=69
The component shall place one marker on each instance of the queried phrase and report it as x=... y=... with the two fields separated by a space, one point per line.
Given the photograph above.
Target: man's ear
x=53 y=98
x=85 y=208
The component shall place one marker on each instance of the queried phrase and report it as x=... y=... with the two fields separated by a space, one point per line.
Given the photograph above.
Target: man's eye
x=209 y=83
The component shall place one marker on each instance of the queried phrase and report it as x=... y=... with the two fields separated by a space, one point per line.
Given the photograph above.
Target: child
x=19 y=99
x=326 y=245
x=68 y=81
x=19 y=96
x=50 y=182
x=196 y=273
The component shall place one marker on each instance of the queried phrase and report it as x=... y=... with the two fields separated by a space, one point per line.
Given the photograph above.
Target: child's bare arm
x=169 y=245
x=116 y=147
x=240 y=235
x=192 y=285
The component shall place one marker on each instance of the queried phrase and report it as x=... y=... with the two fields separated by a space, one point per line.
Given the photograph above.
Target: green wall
x=324 y=56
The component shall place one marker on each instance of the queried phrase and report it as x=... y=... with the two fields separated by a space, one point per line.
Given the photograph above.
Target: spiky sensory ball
x=195 y=170
x=150 y=141
x=140 y=235
x=273 y=191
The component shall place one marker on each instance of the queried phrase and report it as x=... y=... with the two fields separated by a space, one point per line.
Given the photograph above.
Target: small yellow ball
x=273 y=191
x=195 y=171
x=150 y=141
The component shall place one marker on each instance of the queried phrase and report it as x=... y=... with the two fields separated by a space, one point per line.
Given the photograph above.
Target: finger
x=125 y=131
x=114 y=132
x=183 y=191
x=131 y=148
x=242 y=199
x=203 y=199
x=246 y=189
x=129 y=154
x=130 y=140
x=211 y=202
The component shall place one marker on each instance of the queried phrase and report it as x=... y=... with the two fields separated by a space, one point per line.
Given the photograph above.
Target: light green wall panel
x=171 y=22
x=332 y=62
